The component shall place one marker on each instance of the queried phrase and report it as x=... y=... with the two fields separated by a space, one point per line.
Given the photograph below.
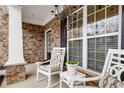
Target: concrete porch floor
x=31 y=82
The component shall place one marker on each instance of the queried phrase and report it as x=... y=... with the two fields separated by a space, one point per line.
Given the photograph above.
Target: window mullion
x=85 y=36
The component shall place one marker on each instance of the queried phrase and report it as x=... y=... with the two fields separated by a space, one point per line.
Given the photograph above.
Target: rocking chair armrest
x=40 y=63
x=88 y=79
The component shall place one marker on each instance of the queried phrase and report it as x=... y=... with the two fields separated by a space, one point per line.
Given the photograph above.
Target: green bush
x=72 y=62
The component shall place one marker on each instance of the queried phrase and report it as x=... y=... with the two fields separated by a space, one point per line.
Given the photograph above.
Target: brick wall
x=33 y=42
x=3 y=37
x=15 y=74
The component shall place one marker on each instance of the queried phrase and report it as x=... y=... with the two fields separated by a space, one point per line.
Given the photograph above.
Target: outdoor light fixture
x=56 y=11
x=58 y=8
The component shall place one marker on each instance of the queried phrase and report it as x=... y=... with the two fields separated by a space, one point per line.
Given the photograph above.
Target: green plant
x=72 y=62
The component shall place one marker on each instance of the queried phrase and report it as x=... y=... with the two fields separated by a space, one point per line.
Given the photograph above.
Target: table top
x=66 y=75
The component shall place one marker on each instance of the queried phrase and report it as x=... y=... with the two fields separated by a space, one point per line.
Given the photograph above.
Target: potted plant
x=71 y=67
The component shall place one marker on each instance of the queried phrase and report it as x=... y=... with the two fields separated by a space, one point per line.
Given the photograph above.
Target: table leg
x=84 y=83
x=71 y=84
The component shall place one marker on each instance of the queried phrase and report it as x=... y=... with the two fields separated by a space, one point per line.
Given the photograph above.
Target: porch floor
x=31 y=82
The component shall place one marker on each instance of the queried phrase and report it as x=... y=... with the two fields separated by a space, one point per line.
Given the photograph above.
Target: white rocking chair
x=55 y=65
x=113 y=71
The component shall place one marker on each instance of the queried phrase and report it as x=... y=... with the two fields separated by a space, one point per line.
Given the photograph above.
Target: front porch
x=31 y=82
x=87 y=32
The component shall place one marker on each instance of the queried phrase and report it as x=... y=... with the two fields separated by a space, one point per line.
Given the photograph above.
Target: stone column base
x=15 y=74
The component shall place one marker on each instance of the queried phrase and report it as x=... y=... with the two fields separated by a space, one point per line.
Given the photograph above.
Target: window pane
x=91 y=43
x=80 y=28
x=80 y=14
x=100 y=43
x=98 y=7
x=75 y=26
x=90 y=25
x=91 y=50
x=100 y=22
x=112 y=10
x=70 y=34
x=112 y=19
x=112 y=42
x=75 y=23
x=100 y=55
x=99 y=66
x=97 y=51
x=91 y=54
x=75 y=51
x=75 y=30
x=100 y=49
x=75 y=17
x=90 y=9
x=91 y=64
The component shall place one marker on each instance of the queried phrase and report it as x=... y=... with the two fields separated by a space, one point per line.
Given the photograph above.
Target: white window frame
x=74 y=39
x=85 y=37
x=45 y=52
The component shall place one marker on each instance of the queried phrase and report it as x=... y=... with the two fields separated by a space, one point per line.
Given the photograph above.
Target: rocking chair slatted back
x=115 y=66
x=57 y=57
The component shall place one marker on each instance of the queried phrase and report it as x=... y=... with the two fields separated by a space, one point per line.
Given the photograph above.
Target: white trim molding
x=45 y=52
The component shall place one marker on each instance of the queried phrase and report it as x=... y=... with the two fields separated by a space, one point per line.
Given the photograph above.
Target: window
x=103 y=20
x=75 y=23
x=101 y=32
x=75 y=41
x=97 y=51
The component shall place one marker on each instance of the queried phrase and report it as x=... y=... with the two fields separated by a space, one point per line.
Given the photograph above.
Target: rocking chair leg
x=49 y=81
x=37 y=77
x=60 y=84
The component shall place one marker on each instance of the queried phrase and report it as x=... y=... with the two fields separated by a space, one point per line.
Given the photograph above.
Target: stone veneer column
x=15 y=70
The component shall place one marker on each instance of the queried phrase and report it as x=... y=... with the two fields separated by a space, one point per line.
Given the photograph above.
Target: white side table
x=70 y=80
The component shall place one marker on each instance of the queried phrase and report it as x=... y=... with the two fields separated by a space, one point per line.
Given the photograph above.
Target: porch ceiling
x=37 y=14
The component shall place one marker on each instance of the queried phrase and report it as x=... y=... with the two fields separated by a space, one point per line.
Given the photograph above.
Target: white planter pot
x=71 y=68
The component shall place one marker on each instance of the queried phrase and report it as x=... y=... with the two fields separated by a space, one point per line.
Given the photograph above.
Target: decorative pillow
x=109 y=82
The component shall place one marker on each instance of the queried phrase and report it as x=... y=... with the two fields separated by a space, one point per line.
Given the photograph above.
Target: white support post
x=120 y=27
x=15 y=55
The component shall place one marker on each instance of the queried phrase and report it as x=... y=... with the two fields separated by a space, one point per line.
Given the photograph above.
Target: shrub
x=72 y=62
